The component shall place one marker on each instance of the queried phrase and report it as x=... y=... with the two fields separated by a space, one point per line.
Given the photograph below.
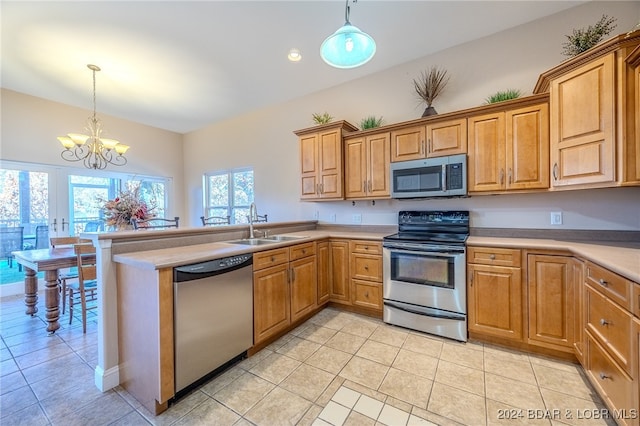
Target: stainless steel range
x=425 y=273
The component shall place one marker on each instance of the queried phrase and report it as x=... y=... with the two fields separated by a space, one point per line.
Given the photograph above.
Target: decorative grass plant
x=322 y=118
x=370 y=122
x=585 y=38
x=429 y=86
x=502 y=96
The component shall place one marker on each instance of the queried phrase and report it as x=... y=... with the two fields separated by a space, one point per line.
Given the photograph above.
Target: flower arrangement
x=129 y=204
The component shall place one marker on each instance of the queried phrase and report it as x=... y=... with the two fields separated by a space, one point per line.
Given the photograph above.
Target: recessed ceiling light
x=294 y=55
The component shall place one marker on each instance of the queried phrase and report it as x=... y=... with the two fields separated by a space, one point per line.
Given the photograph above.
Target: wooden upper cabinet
x=367 y=166
x=486 y=165
x=447 y=138
x=594 y=100
x=321 y=159
x=408 y=144
x=435 y=139
x=509 y=150
x=582 y=124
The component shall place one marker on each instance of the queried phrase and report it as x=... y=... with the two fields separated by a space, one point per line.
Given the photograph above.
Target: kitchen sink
x=252 y=241
x=282 y=238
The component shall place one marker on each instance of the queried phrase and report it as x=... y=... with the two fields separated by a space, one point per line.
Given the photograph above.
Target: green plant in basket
x=502 y=96
x=370 y=122
x=322 y=118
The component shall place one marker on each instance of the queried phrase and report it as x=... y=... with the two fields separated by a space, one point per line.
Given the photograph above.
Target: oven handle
x=418 y=312
x=431 y=252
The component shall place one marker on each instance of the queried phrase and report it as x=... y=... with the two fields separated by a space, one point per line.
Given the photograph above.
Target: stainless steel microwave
x=430 y=177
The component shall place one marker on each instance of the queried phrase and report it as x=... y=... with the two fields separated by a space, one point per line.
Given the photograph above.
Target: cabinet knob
x=604 y=376
x=366 y=294
x=603 y=282
x=273 y=259
x=366 y=267
x=492 y=256
x=604 y=322
x=304 y=251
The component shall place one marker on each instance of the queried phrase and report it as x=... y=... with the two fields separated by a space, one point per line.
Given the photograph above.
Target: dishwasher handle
x=211 y=268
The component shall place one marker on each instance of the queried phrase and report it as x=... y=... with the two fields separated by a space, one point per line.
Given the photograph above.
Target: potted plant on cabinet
x=429 y=86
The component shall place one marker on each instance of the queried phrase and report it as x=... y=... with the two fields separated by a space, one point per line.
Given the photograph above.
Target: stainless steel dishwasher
x=213 y=316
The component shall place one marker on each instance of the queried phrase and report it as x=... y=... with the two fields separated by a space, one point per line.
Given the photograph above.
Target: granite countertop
x=622 y=258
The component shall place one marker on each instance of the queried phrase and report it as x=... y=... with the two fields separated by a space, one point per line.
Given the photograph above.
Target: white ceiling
x=180 y=65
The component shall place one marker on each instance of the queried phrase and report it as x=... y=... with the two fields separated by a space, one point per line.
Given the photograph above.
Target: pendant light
x=93 y=150
x=348 y=47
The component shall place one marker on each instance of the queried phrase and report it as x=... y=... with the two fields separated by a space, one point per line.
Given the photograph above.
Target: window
x=229 y=193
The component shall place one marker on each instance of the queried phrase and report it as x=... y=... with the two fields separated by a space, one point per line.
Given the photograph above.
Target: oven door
x=432 y=279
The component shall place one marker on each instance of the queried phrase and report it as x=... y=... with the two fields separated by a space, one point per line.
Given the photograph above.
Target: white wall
x=30 y=126
x=511 y=59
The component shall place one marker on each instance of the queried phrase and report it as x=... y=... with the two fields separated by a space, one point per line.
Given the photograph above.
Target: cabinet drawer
x=612 y=383
x=611 y=326
x=367 y=294
x=269 y=258
x=366 y=247
x=610 y=284
x=494 y=256
x=366 y=267
x=302 y=250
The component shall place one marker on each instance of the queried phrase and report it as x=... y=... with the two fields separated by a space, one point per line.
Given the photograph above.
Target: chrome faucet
x=253 y=213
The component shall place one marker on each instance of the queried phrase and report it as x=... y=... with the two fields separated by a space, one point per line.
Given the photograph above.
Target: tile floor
x=337 y=368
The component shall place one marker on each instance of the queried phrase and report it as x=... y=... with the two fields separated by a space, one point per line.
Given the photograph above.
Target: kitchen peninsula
x=143 y=263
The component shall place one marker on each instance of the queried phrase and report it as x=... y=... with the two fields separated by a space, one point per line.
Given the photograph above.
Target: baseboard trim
x=108 y=379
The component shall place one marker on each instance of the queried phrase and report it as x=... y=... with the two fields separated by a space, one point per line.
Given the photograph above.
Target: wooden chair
x=215 y=220
x=155 y=223
x=85 y=290
x=72 y=274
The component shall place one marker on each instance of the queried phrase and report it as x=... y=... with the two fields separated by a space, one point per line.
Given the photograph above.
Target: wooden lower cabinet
x=339 y=271
x=551 y=300
x=271 y=302
x=284 y=292
x=494 y=298
x=324 y=271
x=366 y=274
x=578 y=311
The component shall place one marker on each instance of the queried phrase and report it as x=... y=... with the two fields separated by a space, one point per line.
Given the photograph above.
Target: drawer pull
x=273 y=258
x=366 y=267
x=492 y=257
x=604 y=322
x=304 y=251
x=603 y=282
x=604 y=376
x=366 y=294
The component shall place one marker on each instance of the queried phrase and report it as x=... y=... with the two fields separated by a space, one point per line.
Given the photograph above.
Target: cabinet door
x=271 y=307
x=407 y=144
x=355 y=168
x=340 y=271
x=378 y=160
x=551 y=301
x=324 y=271
x=304 y=287
x=527 y=147
x=330 y=153
x=578 y=313
x=310 y=168
x=447 y=138
x=486 y=165
x=495 y=301
x=583 y=124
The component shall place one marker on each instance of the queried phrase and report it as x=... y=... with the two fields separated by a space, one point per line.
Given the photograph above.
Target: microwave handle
x=444 y=177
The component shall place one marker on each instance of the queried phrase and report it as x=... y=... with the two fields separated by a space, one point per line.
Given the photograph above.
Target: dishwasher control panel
x=211 y=267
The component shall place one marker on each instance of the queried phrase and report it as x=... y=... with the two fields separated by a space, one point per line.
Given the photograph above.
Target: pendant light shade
x=348 y=47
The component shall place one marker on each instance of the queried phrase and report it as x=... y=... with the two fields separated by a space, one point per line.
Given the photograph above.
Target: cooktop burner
x=446 y=227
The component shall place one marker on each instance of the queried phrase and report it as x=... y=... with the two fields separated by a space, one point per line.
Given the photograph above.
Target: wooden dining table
x=49 y=260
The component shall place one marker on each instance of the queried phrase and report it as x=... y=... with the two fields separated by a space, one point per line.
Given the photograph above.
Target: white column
x=107 y=373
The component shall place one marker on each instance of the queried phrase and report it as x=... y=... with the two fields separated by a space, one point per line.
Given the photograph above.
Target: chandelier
x=348 y=47
x=94 y=151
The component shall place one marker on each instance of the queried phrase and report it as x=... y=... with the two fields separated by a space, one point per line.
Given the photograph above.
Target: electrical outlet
x=332 y=217
x=556 y=218
x=316 y=215
x=356 y=218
